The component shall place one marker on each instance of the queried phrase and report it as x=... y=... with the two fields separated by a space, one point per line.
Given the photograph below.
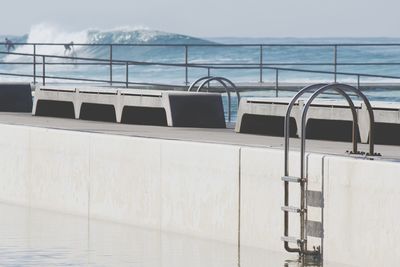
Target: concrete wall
x=206 y=190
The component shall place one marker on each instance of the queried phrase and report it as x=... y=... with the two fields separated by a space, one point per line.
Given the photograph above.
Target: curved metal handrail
x=287 y=119
x=217 y=78
x=197 y=81
x=223 y=82
x=342 y=87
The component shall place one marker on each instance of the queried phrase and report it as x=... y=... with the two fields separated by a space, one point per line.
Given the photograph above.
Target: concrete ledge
x=15 y=97
x=176 y=109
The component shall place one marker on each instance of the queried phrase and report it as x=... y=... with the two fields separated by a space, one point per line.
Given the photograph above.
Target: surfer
x=68 y=48
x=9 y=45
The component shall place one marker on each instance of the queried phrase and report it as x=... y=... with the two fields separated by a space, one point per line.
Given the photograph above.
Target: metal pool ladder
x=310 y=198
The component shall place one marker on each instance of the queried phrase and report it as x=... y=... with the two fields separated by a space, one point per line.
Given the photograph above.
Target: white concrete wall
x=262 y=195
x=362 y=211
x=174 y=186
x=202 y=190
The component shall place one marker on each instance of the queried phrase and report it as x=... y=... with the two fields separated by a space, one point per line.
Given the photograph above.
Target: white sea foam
x=48 y=33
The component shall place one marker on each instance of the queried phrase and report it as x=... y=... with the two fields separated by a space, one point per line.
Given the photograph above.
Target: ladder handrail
x=287 y=119
x=223 y=79
x=286 y=134
x=341 y=89
x=197 y=81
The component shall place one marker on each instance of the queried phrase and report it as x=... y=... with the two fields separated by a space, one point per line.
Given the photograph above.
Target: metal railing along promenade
x=39 y=61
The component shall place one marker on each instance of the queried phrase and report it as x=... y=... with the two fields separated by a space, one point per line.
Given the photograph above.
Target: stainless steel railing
x=261 y=65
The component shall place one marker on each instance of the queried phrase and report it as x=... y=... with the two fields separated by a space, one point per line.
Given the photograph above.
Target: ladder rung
x=291 y=209
x=291 y=239
x=291 y=179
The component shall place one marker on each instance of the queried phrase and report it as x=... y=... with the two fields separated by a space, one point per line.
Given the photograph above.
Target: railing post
x=186 y=65
x=358 y=81
x=261 y=63
x=44 y=70
x=208 y=74
x=34 y=64
x=127 y=74
x=276 y=82
x=335 y=62
x=111 y=64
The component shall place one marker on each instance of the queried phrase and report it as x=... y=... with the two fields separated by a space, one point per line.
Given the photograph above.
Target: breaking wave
x=47 y=33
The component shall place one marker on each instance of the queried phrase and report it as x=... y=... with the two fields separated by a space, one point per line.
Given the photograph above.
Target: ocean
x=44 y=33
x=290 y=56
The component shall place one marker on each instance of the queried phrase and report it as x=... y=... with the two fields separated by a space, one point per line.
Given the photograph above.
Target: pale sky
x=212 y=18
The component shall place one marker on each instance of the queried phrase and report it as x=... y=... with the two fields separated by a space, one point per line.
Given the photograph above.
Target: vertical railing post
x=261 y=63
x=335 y=62
x=186 y=65
x=358 y=81
x=34 y=64
x=209 y=75
x=44 y=71
x=111 y=64
x=127 y=74
x=276 y=82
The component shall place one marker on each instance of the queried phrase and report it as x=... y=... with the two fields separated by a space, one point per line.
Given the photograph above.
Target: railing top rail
x=95 y=59
x=214 y=44
x=204 y=66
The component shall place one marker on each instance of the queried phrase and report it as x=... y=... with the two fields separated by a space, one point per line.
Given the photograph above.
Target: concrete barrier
x=15 y=97
x=148 y=107
x=327 y=119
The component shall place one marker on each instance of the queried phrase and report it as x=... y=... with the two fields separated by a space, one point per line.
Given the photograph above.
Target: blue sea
x=290 y=55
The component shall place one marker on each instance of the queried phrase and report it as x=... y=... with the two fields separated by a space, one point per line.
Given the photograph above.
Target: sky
x=212 y=18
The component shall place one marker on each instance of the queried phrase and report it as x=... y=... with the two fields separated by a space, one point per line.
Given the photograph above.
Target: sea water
x=45 y=33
